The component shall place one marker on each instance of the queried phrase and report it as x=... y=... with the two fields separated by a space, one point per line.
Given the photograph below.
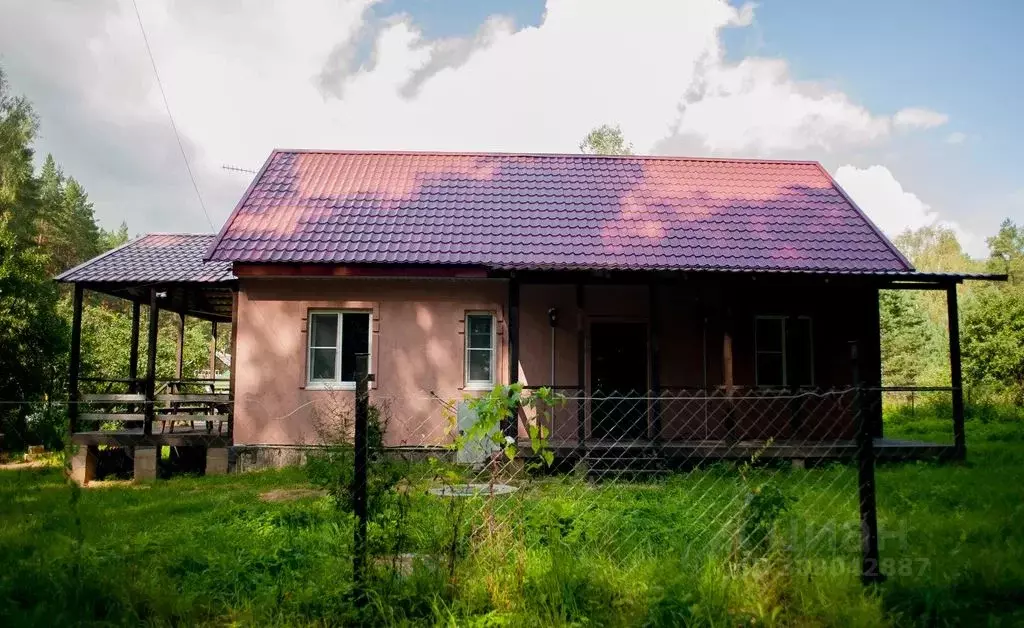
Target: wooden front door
x=618 y=380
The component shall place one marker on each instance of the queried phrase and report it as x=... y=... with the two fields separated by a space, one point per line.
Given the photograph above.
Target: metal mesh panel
x=735 y=477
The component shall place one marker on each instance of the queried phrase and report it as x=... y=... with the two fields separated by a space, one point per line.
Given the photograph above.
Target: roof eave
x=65 y=277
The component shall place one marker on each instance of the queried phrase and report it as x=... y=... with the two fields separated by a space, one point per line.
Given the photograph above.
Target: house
x=659 y=294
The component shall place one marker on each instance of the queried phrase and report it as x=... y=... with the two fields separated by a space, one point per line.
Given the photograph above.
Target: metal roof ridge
x=456 y=153
x=190 y=234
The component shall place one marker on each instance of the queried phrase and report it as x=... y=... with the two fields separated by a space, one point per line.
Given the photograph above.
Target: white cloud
x=956 y=137
x=245 y=77
x=919 y=118
x=893 y=209
x=757 y=108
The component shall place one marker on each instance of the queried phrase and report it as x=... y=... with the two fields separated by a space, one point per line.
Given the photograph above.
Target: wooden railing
x=118 y=405
x=110 y=403
x=193 y=401
x=680 y=413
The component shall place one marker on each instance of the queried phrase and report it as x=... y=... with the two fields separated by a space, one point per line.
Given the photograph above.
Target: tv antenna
x=237 y=168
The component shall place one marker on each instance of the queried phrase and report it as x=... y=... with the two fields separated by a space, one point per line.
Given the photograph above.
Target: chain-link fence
x=760 y=484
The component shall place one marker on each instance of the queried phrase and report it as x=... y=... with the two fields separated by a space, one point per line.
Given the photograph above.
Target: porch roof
x=171 y=263
x=154 y=258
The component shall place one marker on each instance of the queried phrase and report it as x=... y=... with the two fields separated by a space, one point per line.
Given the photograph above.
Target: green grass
x=558 y=552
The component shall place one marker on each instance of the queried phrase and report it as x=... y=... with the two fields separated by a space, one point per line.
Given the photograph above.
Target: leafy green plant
x=763 y=505
x=506 y=404
x=332 y=467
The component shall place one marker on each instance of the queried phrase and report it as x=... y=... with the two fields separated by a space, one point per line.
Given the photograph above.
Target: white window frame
x=480 y=384
x=334 y=384
x=781 y=318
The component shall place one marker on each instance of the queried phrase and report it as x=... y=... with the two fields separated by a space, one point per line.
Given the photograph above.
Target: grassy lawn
x=558 y=551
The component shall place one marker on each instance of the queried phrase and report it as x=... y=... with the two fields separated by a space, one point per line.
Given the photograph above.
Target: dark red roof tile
x=551 y=211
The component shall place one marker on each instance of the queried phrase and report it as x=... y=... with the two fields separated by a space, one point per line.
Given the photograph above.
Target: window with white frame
x=480 y=350
x=784 y=351
x=335 y=338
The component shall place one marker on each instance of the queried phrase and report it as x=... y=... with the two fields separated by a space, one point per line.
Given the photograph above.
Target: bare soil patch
x=291 y=494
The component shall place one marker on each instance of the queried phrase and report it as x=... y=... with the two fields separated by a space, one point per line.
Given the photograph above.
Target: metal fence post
x=870 y=567
x=359 y=480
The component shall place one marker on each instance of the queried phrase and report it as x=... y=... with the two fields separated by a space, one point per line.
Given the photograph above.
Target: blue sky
x=961 y=58
x=439 y=18
x=913 y=106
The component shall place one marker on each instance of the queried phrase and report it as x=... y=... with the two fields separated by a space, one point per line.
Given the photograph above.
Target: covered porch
x=667 y=366
x=137 y=411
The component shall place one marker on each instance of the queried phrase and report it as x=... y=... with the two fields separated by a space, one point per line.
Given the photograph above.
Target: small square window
x=480 y=350
x=335 y=338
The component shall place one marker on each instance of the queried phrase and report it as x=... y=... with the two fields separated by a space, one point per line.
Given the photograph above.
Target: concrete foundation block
x=799 y=463
x=216 y=461
x=83 y=465
x=146 y=459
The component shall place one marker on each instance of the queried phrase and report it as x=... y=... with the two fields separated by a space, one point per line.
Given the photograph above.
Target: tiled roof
x=157 y=257
x=507 y=211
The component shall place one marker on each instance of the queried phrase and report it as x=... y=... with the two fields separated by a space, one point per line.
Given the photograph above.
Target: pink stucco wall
x=418 y=347
x=417 y=354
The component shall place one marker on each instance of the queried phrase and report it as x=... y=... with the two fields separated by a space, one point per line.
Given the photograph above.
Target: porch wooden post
x=953 y=314
x=213 y=353
x=510 y=427
x=133 y=355
x=727 y=374
x=581 y=368
x=234 y=364
x=150 y=384
x=180 y=357
x=654 y=356
x=871 y=373
x=75 y=361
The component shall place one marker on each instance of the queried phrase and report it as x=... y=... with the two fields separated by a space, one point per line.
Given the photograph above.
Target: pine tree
x=33 y=343
x=81 y=224
x=906 y=336
x=51 y=234
x=113 y=238
x=18 y=188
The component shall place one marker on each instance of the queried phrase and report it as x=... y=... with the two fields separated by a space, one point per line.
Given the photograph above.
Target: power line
x=170 y=117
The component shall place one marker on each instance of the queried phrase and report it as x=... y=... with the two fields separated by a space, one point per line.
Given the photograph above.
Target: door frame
x=589 y=354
